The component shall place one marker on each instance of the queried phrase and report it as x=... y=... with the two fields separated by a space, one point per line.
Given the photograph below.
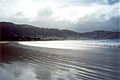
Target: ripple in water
x=20 y=62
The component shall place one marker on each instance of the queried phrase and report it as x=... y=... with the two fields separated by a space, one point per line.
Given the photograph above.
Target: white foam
x=73 y=44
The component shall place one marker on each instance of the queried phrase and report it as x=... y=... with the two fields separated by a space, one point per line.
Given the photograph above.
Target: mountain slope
x=102 y=34
x=15 y=32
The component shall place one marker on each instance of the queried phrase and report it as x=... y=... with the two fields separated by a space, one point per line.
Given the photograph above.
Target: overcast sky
x=77 y=15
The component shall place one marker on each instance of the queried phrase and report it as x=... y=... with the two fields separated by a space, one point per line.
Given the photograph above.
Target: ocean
x=60 y=60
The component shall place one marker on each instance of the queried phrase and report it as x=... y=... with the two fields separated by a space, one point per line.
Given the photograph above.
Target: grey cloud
x=43 y=17
x=19 y=14
x=112 y=1
x=108 y=25
x=46 y=12
x=84 y=2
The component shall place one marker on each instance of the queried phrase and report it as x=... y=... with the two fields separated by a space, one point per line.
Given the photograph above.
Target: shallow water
x=59 y=60
x=74 y=44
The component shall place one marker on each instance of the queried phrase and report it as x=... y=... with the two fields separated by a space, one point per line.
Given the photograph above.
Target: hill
x=17 y=32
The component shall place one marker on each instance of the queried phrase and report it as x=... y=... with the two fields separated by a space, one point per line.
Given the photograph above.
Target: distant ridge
x=22 y=32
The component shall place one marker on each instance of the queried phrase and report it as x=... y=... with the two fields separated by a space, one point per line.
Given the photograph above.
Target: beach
x=23 y=62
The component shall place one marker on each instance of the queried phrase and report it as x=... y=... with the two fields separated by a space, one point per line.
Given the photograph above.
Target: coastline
x=1 y=42
x=89 y=63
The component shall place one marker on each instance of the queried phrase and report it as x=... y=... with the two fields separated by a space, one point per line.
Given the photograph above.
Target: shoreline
x=52 y=61
x=2 y=42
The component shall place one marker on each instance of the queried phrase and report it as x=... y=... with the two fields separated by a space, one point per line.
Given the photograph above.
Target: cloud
x=82 y=13
x=68 y=14
x=109 y=25
x=111 y=1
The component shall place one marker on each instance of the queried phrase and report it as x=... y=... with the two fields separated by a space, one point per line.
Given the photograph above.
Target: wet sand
x=18 y=62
